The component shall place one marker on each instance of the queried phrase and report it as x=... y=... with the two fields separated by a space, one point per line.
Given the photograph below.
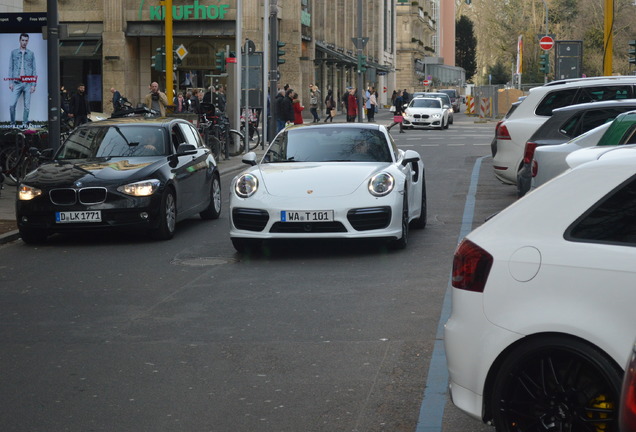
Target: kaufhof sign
x=194 y=11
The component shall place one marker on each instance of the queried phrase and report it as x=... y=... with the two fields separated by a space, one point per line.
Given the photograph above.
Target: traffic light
x=159 y=60
x=220 y=61
x=362 y=63
x=544 y=63
x=632 y=52
x=280 y=52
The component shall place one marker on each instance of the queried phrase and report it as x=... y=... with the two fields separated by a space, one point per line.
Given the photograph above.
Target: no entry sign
x=546 y=43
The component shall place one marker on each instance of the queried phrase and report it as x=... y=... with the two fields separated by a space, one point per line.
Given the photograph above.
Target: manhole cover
x=203 y=261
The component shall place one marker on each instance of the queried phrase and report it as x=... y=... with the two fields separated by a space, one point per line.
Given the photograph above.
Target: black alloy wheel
x=214 y=209
x=167 y=216
x=404 y=239
x=556 y=384
x=420 y=222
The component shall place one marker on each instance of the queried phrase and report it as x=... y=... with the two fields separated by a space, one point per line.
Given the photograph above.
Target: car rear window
x=612 y=220
x=554 y=100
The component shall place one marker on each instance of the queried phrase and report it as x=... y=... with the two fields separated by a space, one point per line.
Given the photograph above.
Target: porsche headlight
x=246 y=185
x=381 y=184
x=140 y=189
x=27 y=193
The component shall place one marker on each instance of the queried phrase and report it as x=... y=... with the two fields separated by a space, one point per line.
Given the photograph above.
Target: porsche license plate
x=306 y=216
x=78 y=216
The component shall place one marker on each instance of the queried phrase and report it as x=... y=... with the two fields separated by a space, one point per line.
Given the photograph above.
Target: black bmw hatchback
x=129 y=173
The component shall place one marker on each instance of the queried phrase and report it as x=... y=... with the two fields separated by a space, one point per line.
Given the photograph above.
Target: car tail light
x=528 y=152
x=471 y=266
x=501 y=131
x=628 y=397
x=534 y=168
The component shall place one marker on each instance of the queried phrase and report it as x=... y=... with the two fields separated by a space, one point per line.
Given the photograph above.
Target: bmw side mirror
x=186 y=149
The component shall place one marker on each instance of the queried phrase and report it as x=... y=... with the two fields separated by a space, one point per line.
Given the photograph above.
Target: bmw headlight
x=27 y=193
x=436 y=116
x=140 y=189
x=381 y=184
x=246 y=185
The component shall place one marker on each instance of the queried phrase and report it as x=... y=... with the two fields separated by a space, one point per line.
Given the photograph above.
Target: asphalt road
x=119 y=333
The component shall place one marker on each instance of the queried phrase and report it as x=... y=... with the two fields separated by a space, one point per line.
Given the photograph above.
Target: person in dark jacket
x=287 y=105
x=79 y=109
x=399 y=109
x=280 y=117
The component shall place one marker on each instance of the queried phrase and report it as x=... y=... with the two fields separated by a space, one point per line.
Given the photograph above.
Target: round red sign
x=546 y=42
x=426 y=82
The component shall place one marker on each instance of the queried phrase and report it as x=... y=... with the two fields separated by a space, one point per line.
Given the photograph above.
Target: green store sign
x=194 y=11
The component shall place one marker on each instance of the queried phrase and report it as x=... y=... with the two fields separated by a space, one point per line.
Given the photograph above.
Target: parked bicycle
x=254 y=136
x=22 y=157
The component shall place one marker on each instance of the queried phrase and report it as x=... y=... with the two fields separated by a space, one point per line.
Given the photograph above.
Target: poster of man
x=23 y=91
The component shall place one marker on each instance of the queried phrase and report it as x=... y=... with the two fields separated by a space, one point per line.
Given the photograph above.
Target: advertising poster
x=23 y=70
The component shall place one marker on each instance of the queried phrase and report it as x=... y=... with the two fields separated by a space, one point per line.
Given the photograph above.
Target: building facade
x=112 y=43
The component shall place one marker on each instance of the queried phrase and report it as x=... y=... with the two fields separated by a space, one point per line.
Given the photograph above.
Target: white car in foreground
x=329 y=181
x=426 y=112
x=542 y=317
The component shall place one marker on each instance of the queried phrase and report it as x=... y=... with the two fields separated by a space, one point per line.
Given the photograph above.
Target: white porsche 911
x=329 y=181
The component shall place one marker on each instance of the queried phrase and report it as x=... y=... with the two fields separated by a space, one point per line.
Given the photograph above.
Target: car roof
x=372 y=126
x=576 y=81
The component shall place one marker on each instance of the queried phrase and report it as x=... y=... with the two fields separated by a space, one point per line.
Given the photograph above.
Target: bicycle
x=254 y=136
x=231 y=140
x=20 y=159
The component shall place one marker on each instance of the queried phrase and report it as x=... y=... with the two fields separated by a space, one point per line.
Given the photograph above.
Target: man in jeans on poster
x=22 y=79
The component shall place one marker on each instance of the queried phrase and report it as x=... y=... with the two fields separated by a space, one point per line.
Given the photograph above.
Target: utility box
x=568 y=60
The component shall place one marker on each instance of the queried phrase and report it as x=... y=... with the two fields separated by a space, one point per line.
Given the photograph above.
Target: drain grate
x=203 y=261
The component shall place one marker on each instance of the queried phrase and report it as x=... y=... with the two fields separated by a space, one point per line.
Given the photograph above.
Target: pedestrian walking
x=352 y=106
x=397 y=114
x=280 y=115
x=298 y=109
x=330 y=106
x=314 y=98
x=79 y=108
x=156 y=100
x=370 y=103
x=288 y=107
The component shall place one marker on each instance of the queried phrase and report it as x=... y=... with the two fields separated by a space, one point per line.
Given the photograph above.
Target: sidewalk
x=8 y=229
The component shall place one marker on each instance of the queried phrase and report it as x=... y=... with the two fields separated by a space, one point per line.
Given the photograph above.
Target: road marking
x=432 y=409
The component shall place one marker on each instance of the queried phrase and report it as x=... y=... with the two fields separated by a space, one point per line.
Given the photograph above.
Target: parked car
x=444 y=97
x=542 y=316
x=549 y=161
x=454 y=97
x=513 y=107
x=343 y=181
x=121 y=174
x=426 y=112
x=627 y=410
x=513 y=133
x=564 y=124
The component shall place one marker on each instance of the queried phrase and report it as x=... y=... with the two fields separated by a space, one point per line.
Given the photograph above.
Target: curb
x=9 y=237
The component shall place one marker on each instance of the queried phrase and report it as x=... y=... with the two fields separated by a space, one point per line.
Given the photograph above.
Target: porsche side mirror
x=410 y=156
x=249 y=159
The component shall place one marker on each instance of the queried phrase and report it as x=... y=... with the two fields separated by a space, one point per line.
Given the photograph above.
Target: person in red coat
x=298 y=110
x=352 y=106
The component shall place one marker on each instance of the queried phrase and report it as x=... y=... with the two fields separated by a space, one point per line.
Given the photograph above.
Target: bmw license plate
x=78 y=216
x=306 y=216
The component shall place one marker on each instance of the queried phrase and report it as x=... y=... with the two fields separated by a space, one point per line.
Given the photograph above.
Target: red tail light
x=471 y=266
x=501 y=131
x=528 y=152
x=628 y=397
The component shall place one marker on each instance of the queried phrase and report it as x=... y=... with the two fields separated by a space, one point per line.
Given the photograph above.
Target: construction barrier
x=484 y=108
x=470 y=105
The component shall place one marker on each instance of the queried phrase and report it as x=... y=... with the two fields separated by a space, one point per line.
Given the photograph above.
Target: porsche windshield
x=113 y=141
x=325 y=144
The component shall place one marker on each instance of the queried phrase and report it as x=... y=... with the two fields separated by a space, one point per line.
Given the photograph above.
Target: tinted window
x=190 y=134
x=113 y=141
x=601 y=93
x=554 y=100
x=588 y=120
x=612 y=220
